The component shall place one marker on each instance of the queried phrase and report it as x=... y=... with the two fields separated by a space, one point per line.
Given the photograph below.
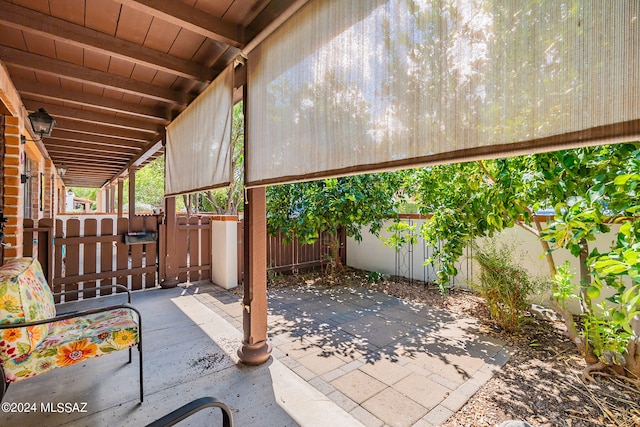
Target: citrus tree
x=306 y=210
x=588 y=188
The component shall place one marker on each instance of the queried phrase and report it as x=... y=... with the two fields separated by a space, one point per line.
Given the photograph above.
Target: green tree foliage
x=475 y=199
x=587 y=188
x=305 y=210
x=149 y=186
x=229 y=201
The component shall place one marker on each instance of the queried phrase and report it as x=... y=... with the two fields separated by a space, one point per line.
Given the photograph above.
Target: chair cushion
x=75 y=340
x=24 y=297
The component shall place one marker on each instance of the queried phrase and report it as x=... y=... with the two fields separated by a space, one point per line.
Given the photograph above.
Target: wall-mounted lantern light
x=41 y=123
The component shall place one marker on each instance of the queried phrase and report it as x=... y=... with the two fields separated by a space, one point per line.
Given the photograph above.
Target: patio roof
x=114 y=73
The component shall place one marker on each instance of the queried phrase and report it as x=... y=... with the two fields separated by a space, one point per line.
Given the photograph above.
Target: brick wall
x=13 y=198
x=49 y=190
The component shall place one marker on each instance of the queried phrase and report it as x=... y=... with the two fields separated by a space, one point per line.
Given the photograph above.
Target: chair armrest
x=79 y=291
x=72 y=315
x=191 y=408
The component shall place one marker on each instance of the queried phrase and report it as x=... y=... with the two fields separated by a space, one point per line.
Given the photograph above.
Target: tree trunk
x=632 y=358
x=335 y=263
x=567 y=317
x=585 y=277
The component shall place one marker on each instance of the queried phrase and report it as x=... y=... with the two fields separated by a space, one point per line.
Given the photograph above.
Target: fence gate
x=187 y=251
x=79 y=254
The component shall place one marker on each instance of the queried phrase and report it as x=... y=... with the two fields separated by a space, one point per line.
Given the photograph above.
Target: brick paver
x=386 y=361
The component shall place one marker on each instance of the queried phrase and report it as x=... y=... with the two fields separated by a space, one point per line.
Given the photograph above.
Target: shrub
x=504 y=284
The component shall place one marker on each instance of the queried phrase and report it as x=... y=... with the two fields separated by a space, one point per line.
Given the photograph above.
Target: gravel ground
x=541 y=383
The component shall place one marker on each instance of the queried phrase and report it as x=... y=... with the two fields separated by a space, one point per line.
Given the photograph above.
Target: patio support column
x=120 y=197
x=255 y=349
x=132 y=192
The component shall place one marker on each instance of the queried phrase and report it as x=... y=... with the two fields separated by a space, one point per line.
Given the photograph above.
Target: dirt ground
x=541 y=383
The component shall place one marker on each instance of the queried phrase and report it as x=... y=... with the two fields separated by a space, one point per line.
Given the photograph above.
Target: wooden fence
x=192 y=248
x=292 y=257
x=81 y=254
x=78 y=254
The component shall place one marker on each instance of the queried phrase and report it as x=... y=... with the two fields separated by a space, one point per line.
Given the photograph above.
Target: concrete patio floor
x=342 y=356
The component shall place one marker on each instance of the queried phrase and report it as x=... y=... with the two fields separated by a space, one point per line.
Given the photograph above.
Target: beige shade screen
x=198 y=148
x=364 y=85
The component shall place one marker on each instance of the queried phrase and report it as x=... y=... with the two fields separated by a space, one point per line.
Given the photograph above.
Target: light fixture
x=41 y=123
x=62 y=169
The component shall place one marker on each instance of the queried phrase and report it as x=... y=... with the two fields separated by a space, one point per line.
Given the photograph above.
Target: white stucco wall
x=224 y=253
x=371 y=254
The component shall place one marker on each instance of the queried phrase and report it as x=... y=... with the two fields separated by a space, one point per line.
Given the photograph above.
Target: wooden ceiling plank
x=83 y=155
x=214 y=7
x=102 y=16
x=12 y=37
x=244 y=12
x=68 y=161
x=43 y=64
x=71 y=10
x=39 y=44
x=96 y=60
x=95 y=139
x=161 y=36
x=69 y=53
x=110 y=104
x=89 y=169
x=146 y=74
x=57 y=29
x=76 y=168
x=100 y=148
x=65 y=149
x=95 y=129
x=195 y=20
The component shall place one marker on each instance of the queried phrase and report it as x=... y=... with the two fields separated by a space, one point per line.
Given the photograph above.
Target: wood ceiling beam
x=83 y=183
x=95 y=139
x=68 y=149
x=95 y=129
x=60 y=111
x=78 y=73
x=123 y=152
x=96 y=101
x=191 y=18
x=35 y=22
x=71 y=181
x=102 y=176
x=88 y=169
x=70 y=160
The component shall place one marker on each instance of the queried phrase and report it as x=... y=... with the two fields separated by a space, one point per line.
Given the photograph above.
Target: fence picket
x=90 y=229
x=59 y=257
x=72 y=259
x=106 y=254
x=205 y=248
x=181 y=248
x=194 y=248
x=122 y=251
x=151 y=252
x=137 y=224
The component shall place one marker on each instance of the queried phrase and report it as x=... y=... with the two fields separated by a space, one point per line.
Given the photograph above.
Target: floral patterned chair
x=34 y=340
